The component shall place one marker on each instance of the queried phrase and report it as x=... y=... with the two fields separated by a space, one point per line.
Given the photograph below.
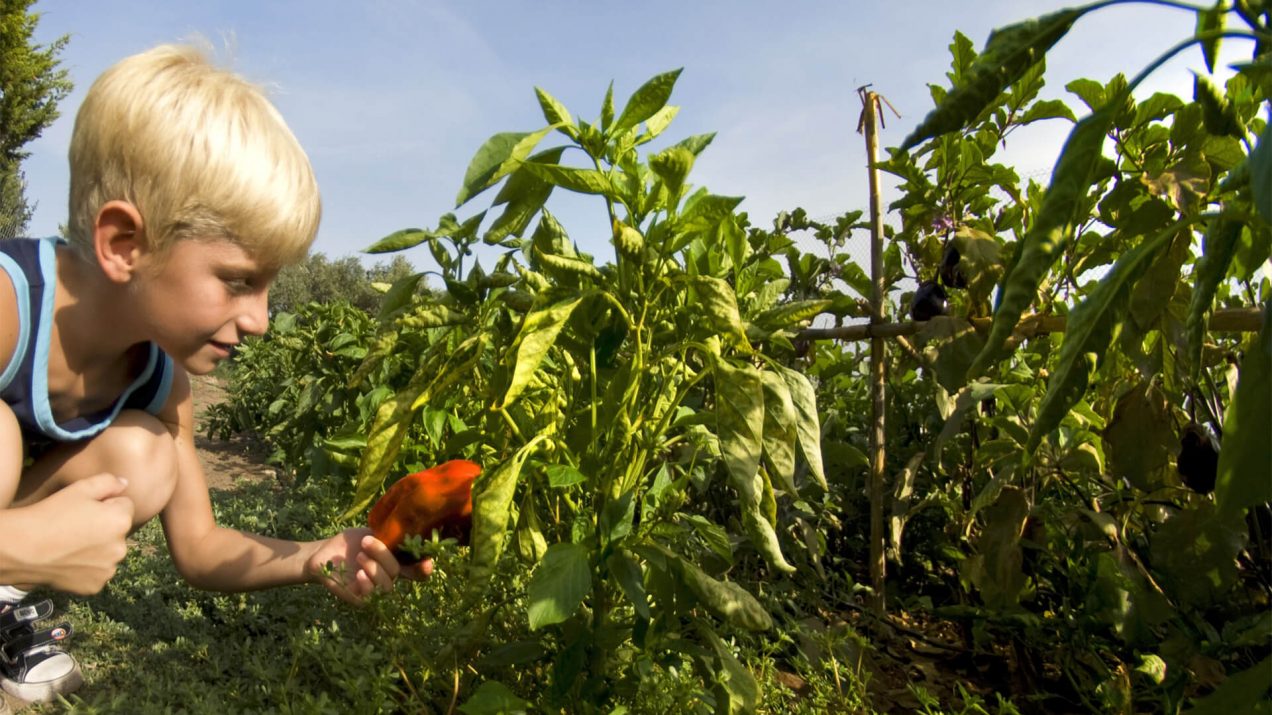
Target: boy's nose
x=255 y=316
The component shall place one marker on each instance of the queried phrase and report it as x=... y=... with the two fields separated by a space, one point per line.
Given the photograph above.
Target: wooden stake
x=878 y=351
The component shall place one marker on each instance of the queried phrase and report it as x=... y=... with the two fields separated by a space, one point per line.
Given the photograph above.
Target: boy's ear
x=118 y=240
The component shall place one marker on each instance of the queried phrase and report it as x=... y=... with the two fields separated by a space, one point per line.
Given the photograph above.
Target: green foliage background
x=672 y=509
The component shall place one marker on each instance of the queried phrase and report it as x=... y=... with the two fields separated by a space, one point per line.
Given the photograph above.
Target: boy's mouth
x=227 y=349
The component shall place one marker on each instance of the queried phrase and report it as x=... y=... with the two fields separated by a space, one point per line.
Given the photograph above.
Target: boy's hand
x=353 y=564
x=72 y=541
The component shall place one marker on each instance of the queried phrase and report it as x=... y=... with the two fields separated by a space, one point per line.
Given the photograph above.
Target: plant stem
x=503 y=412
x=1164 y=3
x=592 y=373
x=1180 y=47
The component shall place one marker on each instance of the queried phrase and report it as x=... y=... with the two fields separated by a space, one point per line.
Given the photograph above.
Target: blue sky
x=392 y=97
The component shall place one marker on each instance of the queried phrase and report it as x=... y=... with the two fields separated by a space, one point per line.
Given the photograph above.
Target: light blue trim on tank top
x=165 y=387
x=23 y=292
x=40 y=397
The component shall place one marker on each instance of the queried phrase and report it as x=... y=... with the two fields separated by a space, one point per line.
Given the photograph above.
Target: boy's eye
x=238 y=285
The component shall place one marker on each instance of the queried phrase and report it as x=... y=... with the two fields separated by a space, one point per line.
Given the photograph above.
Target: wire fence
x=11 y=225
x=15 y=212
x=857 y=247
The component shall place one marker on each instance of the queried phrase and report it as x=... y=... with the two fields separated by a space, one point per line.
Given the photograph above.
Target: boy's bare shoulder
x=8 y=320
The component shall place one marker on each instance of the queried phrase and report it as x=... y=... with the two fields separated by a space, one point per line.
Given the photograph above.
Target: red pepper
x=439 y=498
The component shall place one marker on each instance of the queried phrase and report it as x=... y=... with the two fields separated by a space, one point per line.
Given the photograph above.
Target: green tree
x=391 y=272
x=31 y=85
x=322 y=280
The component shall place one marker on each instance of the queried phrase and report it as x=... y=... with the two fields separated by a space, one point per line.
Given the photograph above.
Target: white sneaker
x=33 y=666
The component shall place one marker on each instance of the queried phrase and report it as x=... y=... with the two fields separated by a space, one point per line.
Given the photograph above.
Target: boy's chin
x=200 y=363
x=198 y=367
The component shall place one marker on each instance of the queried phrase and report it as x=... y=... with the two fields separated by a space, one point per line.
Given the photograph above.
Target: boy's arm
x=220 y=559
x=71 y=541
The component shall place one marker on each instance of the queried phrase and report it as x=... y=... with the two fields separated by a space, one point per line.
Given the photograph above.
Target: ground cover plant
x=671 y=514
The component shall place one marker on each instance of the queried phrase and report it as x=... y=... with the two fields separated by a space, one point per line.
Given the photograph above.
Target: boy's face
x=202 y=299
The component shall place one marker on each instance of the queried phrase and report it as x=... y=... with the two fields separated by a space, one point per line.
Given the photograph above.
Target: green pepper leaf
x=1051 y=230
x=492 y=500
x=808 y=428
x=496 y=159
x=725 y=599
x=1008 y=53
x=400 y=240
x=1210 y=21
x=740 y=426
x=1244 y=477
x=780 y=421
x=1091 y=328
x=538 y=334
x=558 y=585
x=1217 y=250
x=645 y=102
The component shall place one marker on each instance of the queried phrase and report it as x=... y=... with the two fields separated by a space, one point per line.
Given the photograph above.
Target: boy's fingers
x=344 y=594
x=419 y=571
x=376 y=574
x=385 y=558
x=362 y=584
x=120 y=502
x=101 y=486
x=338 y=588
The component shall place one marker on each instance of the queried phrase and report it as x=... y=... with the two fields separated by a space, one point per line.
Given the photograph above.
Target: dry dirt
x=224 y=462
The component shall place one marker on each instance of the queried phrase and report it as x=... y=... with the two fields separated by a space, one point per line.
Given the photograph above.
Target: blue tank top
x=31 y=265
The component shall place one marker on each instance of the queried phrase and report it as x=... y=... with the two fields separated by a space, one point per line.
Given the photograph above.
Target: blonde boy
x=188 y=194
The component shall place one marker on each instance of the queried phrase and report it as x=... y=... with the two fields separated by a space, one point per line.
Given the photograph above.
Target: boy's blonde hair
x=199 y=151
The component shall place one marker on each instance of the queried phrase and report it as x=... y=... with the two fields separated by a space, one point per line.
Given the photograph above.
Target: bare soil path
x=224 y=462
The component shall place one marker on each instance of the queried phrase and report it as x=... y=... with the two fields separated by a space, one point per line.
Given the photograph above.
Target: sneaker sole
x=45 y=691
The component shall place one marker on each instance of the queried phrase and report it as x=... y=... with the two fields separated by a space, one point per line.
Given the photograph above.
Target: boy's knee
x=139 y=438
x=141 y=450
x=136 y=447
x=10 y=455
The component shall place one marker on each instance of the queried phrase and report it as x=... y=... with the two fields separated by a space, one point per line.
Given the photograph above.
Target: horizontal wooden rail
x=1226 y=320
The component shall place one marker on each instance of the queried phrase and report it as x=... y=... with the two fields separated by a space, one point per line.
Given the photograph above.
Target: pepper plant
x=636 y=431
x=291 y=389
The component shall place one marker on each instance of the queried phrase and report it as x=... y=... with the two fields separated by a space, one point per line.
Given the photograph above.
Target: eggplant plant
x=1068 y=450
